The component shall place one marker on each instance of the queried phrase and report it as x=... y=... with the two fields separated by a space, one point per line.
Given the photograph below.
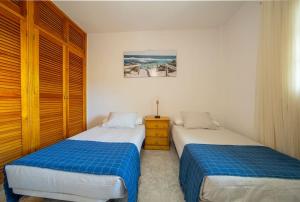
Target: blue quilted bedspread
x=99 y=158
x=201 y=160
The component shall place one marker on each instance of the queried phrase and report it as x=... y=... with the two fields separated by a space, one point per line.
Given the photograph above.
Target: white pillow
x=202 y=120
x=178 y=121
x=139 y=121
x=121 y=120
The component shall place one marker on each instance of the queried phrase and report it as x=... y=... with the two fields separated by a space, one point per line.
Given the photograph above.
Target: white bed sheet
x=71 y=186
x=222 y=136
x=232 y=188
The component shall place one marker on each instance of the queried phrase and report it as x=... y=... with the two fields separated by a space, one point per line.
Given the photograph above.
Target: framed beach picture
x=150 y=64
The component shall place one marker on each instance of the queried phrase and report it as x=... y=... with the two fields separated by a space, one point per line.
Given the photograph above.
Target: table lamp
x=157 y=116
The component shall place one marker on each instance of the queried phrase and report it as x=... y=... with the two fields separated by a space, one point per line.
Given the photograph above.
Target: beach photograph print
x=150 y=64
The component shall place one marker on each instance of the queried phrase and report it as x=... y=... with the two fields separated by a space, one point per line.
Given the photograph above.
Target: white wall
x=194 y=88
x=216 y=72
x=239 y=44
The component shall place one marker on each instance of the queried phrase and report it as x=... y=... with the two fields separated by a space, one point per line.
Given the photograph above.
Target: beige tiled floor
x=158 y=182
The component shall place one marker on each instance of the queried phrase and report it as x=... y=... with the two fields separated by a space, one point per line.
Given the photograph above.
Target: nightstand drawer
x=157 y=124
x=157 y=132
x=157 y=141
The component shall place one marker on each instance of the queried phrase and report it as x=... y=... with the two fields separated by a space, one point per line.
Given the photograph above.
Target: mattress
x=233 y=188
x=48 y=183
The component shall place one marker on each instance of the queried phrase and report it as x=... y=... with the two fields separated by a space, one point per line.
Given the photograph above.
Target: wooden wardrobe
x=42 y=77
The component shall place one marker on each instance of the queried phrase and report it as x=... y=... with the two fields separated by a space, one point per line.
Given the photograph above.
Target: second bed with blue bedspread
x=201 y=160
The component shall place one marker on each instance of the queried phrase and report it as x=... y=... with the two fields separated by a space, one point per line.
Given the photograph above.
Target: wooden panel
x=157 y=147
x=76 y=36
x=152 y=118
x=15 y=6
x=32 y=93
x=157 y=133
x=49 y=17
x=1 y=176
x=76 y=93
x=10 y=89
x=157 y=141
x=157 y=124
x=35 y=37
x=19 y=3
x=51 y=90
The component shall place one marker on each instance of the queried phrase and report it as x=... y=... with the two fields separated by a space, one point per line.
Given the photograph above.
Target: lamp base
x=157 y=116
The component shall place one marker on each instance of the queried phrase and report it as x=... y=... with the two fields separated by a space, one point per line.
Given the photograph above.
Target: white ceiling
x=104 y=16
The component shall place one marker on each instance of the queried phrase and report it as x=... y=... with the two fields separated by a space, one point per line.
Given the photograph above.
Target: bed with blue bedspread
x=89 y=157
x=201 y=160
x=224 y=166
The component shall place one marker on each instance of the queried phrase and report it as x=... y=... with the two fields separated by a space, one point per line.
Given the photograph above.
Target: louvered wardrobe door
x=10 y=89
x=48 y=17
x=76 y=93
x=76 y=37
x=51 y=90
x=17 y=6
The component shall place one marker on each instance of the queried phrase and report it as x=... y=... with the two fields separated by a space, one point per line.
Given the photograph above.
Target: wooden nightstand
x=157 y=133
